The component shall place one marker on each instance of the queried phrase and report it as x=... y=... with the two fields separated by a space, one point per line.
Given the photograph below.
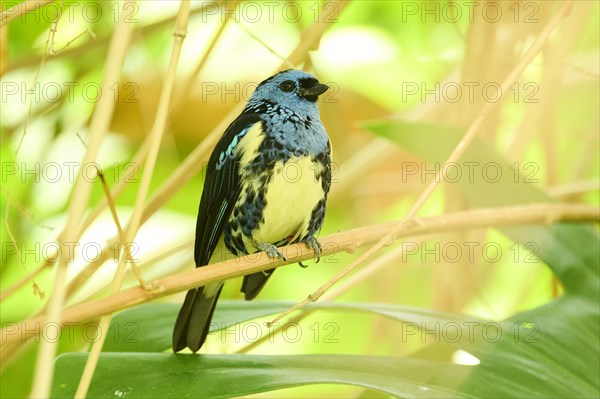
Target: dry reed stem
x=374 y=266
x=90 y=267
x=121 y=233
x=21 y=9
x=13 y=289
x=211 y=46
x=535 y=48
x=347 y=241
x=156 y=135
x=573 y=188
x=101 y=42
x=81 y=192
x=192 y=164
x=24 y=6
x=116 y=191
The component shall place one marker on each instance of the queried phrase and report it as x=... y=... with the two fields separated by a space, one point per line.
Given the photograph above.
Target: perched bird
x=266 y=186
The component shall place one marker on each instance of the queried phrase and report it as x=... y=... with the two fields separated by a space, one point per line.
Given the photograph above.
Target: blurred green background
x=420 y=62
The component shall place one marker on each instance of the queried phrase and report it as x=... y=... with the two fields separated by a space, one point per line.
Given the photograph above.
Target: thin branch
x=374 y=266
x=115 y=216
x=162 y=254
x=347 y=241
x=111 y=203
x=21 y=9
x=117 y=190
x=193 y=78
x=265 y=45
x=54 y=29
x=573 y=188
x=193 y=163
x=79 y=200
x=156 y=135
x=30 y=277
x=535 y=48
x=101 y=43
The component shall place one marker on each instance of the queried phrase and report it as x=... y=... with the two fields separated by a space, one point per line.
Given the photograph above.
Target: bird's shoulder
x=225 y=149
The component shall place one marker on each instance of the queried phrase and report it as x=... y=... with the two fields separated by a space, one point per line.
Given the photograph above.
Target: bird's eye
x=287 y=86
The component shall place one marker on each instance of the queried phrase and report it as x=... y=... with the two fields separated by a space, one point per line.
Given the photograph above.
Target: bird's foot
x=314 y=244
x=270 y=249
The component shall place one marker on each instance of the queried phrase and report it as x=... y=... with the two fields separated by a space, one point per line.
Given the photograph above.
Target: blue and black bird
x=266 y=186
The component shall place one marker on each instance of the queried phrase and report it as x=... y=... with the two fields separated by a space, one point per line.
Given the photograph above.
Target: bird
x=266 y=186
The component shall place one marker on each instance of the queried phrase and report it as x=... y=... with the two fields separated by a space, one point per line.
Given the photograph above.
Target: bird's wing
x=222 y=188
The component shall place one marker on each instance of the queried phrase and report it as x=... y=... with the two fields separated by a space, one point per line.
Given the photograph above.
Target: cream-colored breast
x=291 y=195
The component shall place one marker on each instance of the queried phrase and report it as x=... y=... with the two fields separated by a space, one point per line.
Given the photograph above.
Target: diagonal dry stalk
x=188 y=168
x=78 y=204
x=21 y=9
x=115 y=193
x=468 y=137
x=15 y=11
x=101 y=43
x=347 y=241
x=193 y=163
x=156 y=135
x=371 y=268
x=193 y=78
x=185 y=171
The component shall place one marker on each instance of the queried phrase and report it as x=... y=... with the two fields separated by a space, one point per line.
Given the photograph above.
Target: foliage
x=406 y=83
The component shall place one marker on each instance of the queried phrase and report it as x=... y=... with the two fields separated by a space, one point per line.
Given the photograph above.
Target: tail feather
x=254 y=283
x=193 y=321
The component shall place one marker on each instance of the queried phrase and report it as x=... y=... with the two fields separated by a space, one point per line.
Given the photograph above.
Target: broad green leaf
x=550 y=351
x=571 y=251
x=565 y=360
x=148 y=328
x=160 y=375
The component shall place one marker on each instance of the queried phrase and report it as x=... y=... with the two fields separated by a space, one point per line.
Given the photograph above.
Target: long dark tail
x=193 y=320
x=254 y=283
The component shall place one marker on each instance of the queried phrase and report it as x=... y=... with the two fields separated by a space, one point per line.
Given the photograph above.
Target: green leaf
x=487 y=179
x=148 y=328
x=565 y=359
x=159 y=375
x=550 y=351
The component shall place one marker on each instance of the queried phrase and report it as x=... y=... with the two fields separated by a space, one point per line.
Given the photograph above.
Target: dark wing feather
x=221 y=190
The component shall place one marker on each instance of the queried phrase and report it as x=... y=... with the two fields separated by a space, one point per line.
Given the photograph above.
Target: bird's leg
x=314 y=244
x=270 y=249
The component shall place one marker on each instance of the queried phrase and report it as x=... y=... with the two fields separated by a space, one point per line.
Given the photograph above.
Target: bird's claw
x=270 y=249
x=314 y=244
x=302 y=265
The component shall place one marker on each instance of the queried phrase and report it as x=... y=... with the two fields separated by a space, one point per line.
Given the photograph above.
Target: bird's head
x=292 y=88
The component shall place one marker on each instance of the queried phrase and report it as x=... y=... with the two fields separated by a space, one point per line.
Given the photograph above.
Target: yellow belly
x=291 y=196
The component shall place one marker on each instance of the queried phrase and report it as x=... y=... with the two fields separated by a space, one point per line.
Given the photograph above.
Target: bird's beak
x=313 y=91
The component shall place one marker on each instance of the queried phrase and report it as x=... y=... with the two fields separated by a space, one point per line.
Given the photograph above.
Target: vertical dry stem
x=134 y=223
x=79 y=200
x=535 y=48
